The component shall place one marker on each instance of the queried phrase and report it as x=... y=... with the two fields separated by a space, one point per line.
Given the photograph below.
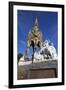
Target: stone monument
x=34 y=38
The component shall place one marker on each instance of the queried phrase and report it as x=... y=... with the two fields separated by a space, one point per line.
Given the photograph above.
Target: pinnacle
x=36 y=21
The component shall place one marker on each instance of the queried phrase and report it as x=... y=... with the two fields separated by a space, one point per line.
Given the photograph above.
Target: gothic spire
x=36 y=21
x=35 y=27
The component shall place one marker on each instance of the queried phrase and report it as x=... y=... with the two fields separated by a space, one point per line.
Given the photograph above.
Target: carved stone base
x=39 y=70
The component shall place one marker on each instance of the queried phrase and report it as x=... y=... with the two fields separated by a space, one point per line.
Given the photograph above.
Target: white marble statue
x=38 y=57
x=48 y=50
x=22 y=59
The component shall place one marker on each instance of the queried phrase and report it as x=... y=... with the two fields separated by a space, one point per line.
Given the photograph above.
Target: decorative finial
x=35 y=27
x=36 y=21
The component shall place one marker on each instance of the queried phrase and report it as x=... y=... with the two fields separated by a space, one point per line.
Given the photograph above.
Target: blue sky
x=47 y=22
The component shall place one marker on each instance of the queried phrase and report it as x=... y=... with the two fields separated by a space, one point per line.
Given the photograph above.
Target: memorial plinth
x=43 y=69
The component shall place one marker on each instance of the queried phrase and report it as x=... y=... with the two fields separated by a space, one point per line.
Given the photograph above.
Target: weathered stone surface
x=26 y=71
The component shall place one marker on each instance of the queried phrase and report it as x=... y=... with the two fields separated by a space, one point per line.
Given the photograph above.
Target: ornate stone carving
x=34 y=37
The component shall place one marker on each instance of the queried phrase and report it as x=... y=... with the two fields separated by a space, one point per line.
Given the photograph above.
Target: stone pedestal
x=44 y=69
